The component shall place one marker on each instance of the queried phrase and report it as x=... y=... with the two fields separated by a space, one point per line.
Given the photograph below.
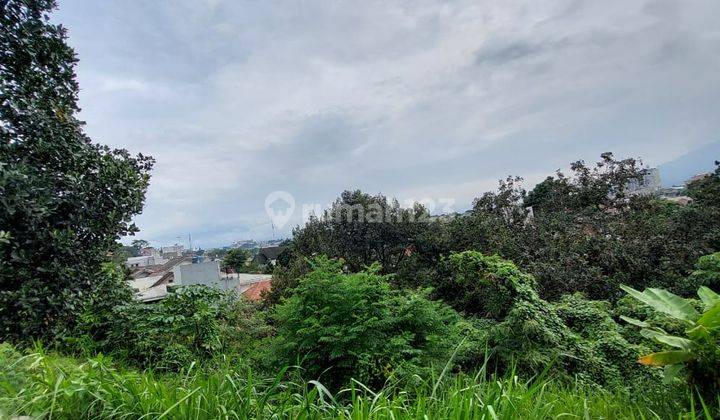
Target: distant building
x=254 y=293
x=649 y=184
x=144 y=261
x=247 y=244
x=148 y=251
x=268 y=255
x=154 y=288
x=150 y=282
x=172 y=251
x=682 y=200
x=668 y=192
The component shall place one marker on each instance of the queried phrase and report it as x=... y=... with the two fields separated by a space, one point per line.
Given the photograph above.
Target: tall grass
x=48 y=386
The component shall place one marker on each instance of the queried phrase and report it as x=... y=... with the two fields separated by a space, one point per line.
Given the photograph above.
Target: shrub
x=482 y=285
x=341 y=326
x=97 y=311
x=528 y=333
x=194 y=323
x=707 y=272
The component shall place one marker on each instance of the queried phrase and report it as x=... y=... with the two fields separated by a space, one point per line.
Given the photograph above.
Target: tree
x=588 y=233
x=65 y=200
x=139 y=244
x=706 y=190
x=362 y=229
x=236 y=259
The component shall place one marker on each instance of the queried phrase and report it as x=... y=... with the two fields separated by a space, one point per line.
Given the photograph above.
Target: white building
x=207 y=273
x=154 y=288
x=144 y=261
x=172 y=251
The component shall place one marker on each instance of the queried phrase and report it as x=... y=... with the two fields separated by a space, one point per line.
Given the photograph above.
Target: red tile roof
x=254 y=293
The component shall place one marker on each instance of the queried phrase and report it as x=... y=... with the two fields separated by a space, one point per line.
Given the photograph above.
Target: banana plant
x=702 y=328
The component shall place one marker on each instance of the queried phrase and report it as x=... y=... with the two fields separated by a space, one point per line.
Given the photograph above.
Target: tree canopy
x=65 y=200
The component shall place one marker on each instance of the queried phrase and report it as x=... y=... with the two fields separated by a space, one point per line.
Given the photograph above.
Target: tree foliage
x=706 y=190
x=522 y=331
x=237 y=259
x=341 y=326
x=65 y=200
x=590 y=232
x=362 y=229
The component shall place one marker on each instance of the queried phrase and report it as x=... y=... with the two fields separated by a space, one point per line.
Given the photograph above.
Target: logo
x=280 y=206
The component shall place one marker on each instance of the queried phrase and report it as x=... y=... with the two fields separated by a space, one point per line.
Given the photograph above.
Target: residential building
x=649 y=184
x=144 y=261
x=172 y=251
x=268 y=255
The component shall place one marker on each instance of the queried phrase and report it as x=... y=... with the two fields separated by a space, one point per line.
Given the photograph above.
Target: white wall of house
x=207 y=273
x=144 y=261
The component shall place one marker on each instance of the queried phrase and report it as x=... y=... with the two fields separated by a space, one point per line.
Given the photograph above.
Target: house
x=150 y=282
x=151 y=289
x=172 y=251
x=148 y=251
x=682 y=200
x=649 y=184
x=144 y=261
x=207 y=273
x=268 y=255
x=255 y=292
x=156 y=269
x=154 y=287
x=697 y=177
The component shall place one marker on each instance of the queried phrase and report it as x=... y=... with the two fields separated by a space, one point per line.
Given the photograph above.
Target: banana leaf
x=665 y=358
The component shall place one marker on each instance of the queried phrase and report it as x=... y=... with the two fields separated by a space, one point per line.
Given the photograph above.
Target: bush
x=483 y=286
x=707 y=272
x=194 y=323
x=527 y=333
x=97 y=312
x=355 y=326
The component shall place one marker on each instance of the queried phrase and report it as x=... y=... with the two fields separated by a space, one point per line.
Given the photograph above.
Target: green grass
x=45 y=385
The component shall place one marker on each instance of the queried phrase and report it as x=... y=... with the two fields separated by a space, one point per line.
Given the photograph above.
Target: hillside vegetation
x=584 y=297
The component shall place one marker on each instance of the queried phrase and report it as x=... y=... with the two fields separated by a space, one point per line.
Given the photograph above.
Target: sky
x=430 y=101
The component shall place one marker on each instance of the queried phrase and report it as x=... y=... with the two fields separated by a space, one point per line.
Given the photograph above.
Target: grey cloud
x=236 y=99
x=494 y=54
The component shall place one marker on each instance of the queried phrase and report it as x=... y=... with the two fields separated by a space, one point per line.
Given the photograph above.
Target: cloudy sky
x=418 y=99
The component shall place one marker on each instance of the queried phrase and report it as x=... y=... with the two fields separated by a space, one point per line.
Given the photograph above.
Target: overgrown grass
x=44 y=385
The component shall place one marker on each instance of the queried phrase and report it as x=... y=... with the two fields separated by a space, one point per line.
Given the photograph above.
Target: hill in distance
x=702 y=159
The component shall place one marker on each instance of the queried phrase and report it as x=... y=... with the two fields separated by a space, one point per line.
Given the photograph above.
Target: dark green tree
x=65 y=200
x=589 y=232
x=706 y=191
x=139 y=244
x=362 y=229
x=236 y=259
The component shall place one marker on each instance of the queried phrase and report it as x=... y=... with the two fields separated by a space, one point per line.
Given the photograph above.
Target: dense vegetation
x=518 y=308
x=65 y=200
